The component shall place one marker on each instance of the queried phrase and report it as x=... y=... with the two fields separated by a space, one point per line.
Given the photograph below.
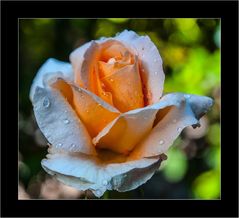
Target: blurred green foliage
x=190 y=49
x=174 y=171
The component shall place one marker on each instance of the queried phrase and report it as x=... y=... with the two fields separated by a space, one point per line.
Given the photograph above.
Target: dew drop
x=66 y=121
x=59 y=144
x=87 y=111
x=179 y=129
x=155 y=60
x=73 y=145
x=47 y=136
x=174 y=120
x=111 y=80
x=161 y=142
x=111 y=61
x=156 y=73
x=46 y=102
x=105 y=182
x=187 y=96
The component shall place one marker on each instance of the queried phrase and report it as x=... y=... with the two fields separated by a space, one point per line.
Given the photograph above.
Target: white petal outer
x=77 y=57
x=134 y=178
x=187 y=111
x=87 y=172
x=59 y=122
x=153 y=74
x=51 y=66
x=96 y=98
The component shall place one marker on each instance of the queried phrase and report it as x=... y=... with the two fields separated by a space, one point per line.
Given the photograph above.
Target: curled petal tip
x=200 y=105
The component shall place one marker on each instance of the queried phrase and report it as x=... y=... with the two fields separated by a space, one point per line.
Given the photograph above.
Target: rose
x=104 y=115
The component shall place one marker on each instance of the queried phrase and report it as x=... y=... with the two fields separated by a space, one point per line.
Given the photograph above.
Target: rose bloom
x=104 y=116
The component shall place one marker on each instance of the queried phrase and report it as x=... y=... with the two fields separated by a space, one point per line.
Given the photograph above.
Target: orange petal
x=113 y=49
x=126 y=88
x=123 y=133
x=108 y=68
x=88 y=76
x=64 y=88
x=151 y=63
x=93 y=112
x=100 y=87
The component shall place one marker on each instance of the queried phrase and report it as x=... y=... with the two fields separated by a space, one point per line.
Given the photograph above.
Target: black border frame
x=12 y=10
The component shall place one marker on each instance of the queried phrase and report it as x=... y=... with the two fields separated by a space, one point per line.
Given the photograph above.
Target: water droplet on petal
x=87 y=111
x=155 y=73
x=187 y=96
x=46 y=102
x=66 y=121
x=161 y=142
x=59 y=144
x=179 y=129
x=72 y=146
x=155 y=60
x=105 y=182
x=174 y=120
x=47 y=136
x=111 y=61
x=111 y=80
